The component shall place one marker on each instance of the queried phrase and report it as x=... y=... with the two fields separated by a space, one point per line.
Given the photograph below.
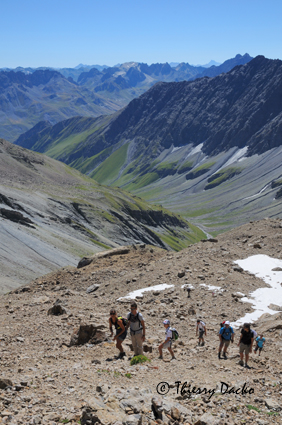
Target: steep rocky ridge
x=46 y=378
x=30 y=95
x=240 y=108
x=51 y=215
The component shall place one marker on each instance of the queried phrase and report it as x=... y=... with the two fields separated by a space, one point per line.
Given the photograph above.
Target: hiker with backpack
x=168 y=340
x=245 y=344
x=201 y=330
x=226 y=334
x=260 y=340
x=121 y=332
x=137 y=329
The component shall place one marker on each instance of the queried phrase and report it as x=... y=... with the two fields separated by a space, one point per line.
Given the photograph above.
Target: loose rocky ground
x=54 y=381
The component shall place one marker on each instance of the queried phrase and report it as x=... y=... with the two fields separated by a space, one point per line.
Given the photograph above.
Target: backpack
x=221 y=326
x=135 y=319
x=175 y=334
x=124 y=321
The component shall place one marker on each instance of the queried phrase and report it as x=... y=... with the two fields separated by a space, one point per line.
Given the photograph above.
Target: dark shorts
x=258 y=348
x=122 y=336
x=201 y=333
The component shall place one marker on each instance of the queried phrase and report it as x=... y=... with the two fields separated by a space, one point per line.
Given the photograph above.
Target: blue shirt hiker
x=226 y=332
x=260 y=340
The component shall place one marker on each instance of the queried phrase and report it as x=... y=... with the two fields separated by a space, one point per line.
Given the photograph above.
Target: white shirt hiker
x=168 y=334
x=201 y=326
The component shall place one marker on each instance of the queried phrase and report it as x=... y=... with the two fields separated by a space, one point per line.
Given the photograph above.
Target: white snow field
x=139 y=292
x=262 y=266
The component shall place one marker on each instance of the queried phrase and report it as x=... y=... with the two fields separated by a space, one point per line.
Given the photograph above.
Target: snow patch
x=176 y=149
x=195 y=150
x=238 y=156
x=262 y=266
x=139 y=292
x=212 y=288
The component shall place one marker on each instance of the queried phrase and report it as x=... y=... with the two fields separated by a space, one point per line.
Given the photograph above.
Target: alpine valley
x=209 y=149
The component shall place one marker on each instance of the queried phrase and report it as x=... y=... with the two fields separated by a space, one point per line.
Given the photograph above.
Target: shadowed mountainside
x=31 y=95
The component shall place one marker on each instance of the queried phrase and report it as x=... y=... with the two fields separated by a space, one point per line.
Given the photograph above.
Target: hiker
x=188 y=291
x=260 y=340
x=226 y=334
x=137 y=329
x=188 y=288
x=201 y=330
x=121 y=331
x=168 y=340
x=245 y=344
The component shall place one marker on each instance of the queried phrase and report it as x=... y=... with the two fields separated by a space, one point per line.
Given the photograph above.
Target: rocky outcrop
x=57 y=309
x=85 y=261
x=88 y=333
x=16 y=217
x=4 y=383
x=278 y=194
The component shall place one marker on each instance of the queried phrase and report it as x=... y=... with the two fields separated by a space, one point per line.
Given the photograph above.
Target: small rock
x=181 y=273
x=175 y=414
x=95 y=361
x=191 y=310
x=206 y=419
x=272 y=404
x=275 y=307
x=57 y=309
x=4 y=383
x=147 y=348
x=92 y=288
x=238 y=269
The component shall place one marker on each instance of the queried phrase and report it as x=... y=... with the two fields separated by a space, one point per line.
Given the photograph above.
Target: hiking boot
x=203 y=343
x=224 y=356
x=247 y=366
x=241 y=363
x=160 y=357
x=219 y=355
x=120 y=356
x=173 y=358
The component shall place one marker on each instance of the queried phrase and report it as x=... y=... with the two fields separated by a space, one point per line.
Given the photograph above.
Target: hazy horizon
x=69 y=32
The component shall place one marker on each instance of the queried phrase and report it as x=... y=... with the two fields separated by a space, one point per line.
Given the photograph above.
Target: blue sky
x=64 y=33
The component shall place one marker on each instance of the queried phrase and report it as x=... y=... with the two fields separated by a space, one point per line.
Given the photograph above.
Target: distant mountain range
x=26 y=99
x=186 y=143
x=29 y=96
